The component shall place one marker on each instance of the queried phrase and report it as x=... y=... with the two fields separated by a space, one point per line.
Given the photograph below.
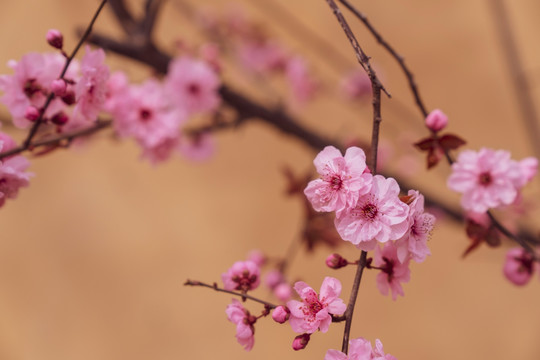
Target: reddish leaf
x=451 y=142
x=426 y=144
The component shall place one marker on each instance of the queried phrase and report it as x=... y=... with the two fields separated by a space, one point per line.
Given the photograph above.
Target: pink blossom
x=301 y=82
x=314 y=311
x=243 y=276
x=342 y=180
x=144 y=113
x=414 y=242
x=199 y=147
x=192 y=85
x=336 y=261
x=519 y=266
x=356 y=85
x=436 y=120
x=258 y=257
x=487 y=178
x=91 y=89
x=244 y=321
x=529 y=168
x=393 y=272
x=30 y=85
x=12 y=171
x=377 y=216
x=262 y=56
x=360 y=349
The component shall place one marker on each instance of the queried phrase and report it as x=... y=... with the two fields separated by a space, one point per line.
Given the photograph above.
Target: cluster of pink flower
x=152 y=113
x=257 y=52
x=369 y=211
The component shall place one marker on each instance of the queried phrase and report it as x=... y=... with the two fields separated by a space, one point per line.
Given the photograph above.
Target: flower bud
x=60 y=119
x=300 y=342
x=436 y=120
x=283 y=291
x=281 y=314
x=58 y=87
x=55 y=38
x=69 y=98
x=31 y=113
x=518 y=267
x=336 y=261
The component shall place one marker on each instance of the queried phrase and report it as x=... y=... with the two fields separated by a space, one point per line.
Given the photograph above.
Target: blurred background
x=94 y=253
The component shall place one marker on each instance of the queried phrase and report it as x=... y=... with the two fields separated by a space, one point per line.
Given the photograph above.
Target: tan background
x=94 y=253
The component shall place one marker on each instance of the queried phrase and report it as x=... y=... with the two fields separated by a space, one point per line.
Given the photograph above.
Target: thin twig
x=50 y=97
x=395 y=55
x=243 y=296
x=361 y=56
x=97 y=126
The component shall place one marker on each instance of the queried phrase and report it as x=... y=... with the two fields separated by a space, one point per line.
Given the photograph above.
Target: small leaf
x=451 y=142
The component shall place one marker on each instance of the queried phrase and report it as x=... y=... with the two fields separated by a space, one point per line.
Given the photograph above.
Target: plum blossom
x=243 y=276
x=199 y=147
x=487 y=179
x=12 y=171
x=244 y=321
x=393 y=272
x=301 y=82
x=377 y=216
x=30 y=85
x=356 y=85
x=519 y=266
x=192 y=85
x=414 y=242
x=360 y=349
x=315 y=311
x=343 y=179
x=91 y=89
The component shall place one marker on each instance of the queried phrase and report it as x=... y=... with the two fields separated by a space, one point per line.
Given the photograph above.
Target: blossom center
x=31 y=87
x=145 y=114
x=244 y=281
x=485 y=178
x=336 y=182
x=194 y=89
x=370 y=211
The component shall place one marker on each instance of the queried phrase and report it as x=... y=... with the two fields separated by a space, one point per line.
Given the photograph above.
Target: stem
x=395 y=55
x=243 y=296
x=38 y=122
x=352 y=301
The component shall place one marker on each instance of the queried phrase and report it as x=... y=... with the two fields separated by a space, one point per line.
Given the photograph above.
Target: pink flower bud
x=58 y=87
x=283 y=292
x=55 y=38
x=518 y=267
x=31 y=113
x=258 y=257
x=273 y=278
x=336 y=261
x=281 y=314
x=60 y=119
x=300 y=342
x=69 y=98
x=436 y=120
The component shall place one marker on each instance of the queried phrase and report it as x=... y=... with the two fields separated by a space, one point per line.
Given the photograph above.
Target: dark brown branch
x=123 y=16
x=85 y=35
x=57 y=140
x=148 y=22
x=243 y=296
x=395 y=55
x=522 y=89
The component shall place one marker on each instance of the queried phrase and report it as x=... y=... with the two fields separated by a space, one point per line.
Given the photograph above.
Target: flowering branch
x=242 y=295
x=39 y=120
